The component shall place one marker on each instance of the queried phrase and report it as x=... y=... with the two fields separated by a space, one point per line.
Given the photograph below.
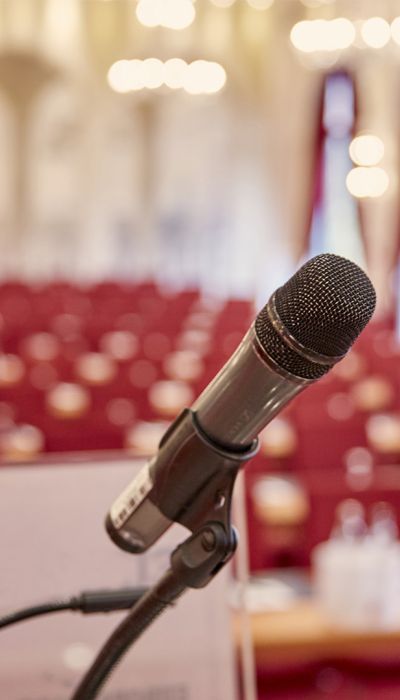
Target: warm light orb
x=118 y=76
x=136 y=77
x=198 y=78
x=204 y=77
x=177 y=14
x=95 y=368
x=152 y=73
x=41 y=347
x=366 y=149
x=373 y=393
x=367 y=182
x=216 y=78
x=148 y=12
x=185 y=365
x=341 y=32
x=125 y=76
x=375 y=32
x=172 y=14
x=12 y=370
x=260 y=4
x=195 y=339
x=322 y=35
x=23 y=442
x=279 y=439
x=144 y=437
x=340 y=406
x=279 y=500
x=383 y=432
x=169 y=397
x=68 y=400
x=121 y=345
x=174 y=73
x=303 y=36
x=395 y=30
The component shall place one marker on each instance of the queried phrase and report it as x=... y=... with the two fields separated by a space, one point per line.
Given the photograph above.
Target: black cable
x=88 y=602
x=193 y=564
x=34 y=611
x=152 y=604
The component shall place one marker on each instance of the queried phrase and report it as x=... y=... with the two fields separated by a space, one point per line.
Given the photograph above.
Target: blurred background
x=166 y=164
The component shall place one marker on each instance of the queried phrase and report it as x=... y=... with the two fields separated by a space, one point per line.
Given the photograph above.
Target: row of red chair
x=313 y=441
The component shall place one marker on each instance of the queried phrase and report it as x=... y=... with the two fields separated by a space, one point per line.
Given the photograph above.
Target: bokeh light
x=303 y=36
x=68 y=400
x=174 y=73
x=367 y=182
x=148 y=12
x=322 y=35
x=366 y=149
x=153 y=73
x=22 y=442
x=383 y=432
x=197 y=78
x=177 y=14
x=172 y=14
x=260 y=4
x=340 y=407
x=143 y=438
x=12 y=369
x=136 y=75
x=204 y=77
x=278 y=439
x=119 y=76
x=395 y=30
x=375 y=32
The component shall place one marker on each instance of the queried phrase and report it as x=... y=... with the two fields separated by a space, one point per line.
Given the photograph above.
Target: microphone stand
x=193 y=564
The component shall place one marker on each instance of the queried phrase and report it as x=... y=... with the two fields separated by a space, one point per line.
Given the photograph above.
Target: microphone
x=307 y=326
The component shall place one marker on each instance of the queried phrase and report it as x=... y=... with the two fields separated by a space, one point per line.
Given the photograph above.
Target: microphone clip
x=201 y=556
x=189 y=481
x=209 y=488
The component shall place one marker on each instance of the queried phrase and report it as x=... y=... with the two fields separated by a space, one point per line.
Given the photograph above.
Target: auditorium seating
x=111 y=343
x=85 y=365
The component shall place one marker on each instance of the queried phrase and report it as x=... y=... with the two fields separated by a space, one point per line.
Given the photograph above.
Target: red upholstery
x=79 y=317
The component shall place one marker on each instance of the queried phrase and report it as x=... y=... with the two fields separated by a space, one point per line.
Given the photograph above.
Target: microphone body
x=217 y=435
x=306 y=327
x=245 y=395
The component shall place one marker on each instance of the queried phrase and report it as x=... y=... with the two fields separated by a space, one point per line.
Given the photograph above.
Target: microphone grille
x=324 y=306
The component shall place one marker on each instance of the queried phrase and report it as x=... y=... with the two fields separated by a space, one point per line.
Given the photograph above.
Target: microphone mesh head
x=324 y=306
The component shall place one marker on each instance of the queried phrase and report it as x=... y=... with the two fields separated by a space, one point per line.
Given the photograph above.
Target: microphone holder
x=193 y=564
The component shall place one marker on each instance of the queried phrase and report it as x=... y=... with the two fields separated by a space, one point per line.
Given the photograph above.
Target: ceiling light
x=375 y=32
x=366 y=149
x=174 y=73
x=367 y=182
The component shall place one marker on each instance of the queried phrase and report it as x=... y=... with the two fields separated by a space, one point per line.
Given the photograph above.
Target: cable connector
x=104 y=601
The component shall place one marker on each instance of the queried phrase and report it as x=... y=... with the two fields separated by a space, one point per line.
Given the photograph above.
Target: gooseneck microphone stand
x=193 y=564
